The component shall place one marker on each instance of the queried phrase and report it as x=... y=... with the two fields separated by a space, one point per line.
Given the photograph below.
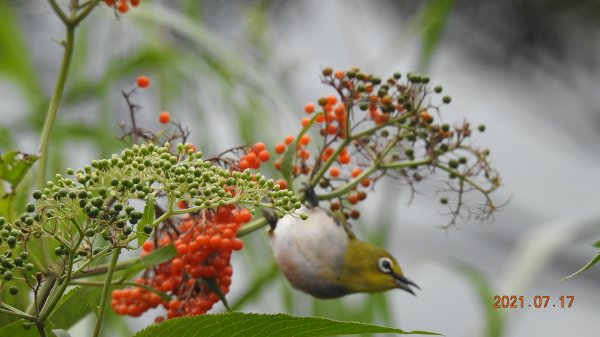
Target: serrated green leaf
x=147 y=219
x=16 y=329
x=259 y=325
x=588 y=265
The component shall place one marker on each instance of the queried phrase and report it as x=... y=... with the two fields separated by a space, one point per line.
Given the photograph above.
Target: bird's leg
x=271 y=219
x=310 y=196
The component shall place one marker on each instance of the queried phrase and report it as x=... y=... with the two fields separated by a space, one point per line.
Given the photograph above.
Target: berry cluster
x=254 y=156
x=375 y=128
x=89 y=212
x=199 y=275
x=122 y=6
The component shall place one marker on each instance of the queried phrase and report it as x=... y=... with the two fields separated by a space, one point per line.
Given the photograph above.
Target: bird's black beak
x=405 y=284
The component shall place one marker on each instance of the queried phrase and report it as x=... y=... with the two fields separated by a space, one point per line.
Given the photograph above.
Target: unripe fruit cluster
x=374 y=127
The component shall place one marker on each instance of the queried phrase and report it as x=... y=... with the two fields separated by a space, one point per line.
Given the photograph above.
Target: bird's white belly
x=310 y=253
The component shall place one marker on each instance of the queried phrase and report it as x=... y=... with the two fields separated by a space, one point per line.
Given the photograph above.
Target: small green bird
x=322 y=257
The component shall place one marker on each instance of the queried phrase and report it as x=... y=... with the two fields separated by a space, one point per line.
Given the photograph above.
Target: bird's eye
x=385 y=265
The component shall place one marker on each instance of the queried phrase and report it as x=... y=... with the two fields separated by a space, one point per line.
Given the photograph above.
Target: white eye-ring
x=385 y=265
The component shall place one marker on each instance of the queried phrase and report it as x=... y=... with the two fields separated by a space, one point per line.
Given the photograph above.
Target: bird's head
x=368 y=268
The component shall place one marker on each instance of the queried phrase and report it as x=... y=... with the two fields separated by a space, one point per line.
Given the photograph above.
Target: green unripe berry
x=37 y=194
x=148 y=229
x=397 y=76
x=29 y=267
x=481 y=128
x=30 y=208
x=462 y=160
x=13 y=290
x=453 y=163
x=446 y=99
x=58 y=251
x=24 y=255
x=90 y=232
x=444 y=200
x=438 y=89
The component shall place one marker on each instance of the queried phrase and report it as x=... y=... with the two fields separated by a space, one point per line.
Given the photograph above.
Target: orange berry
x=305 y=121
x=147 y=246
x=355 y=172
x=305 y=139
x=143 y=81
x=320 y=118
x=289 y=139
x=282 y=184
x=259 y=147
x=109 y=3
x=309 y=108
x=331 y=100
x=425 y=117
x=135 y=3
x=365 y=182
x=237 y=244
x=334 y=172
x=191 y=148
x=277 y=164
x=123 y=7
x=245 y=215
x=244 y=164
x=251 y=157
x=344 y=159
x=353 y=198
x=332 y=129
x=164 y=117
x=340 y=110
x=280 y=148
x=264 y=155
x=339 y=74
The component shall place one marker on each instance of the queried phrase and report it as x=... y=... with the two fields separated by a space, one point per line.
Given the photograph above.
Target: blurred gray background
x=240 y=71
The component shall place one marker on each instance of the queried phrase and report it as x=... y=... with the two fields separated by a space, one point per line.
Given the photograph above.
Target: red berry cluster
x=254 y=156
x=204 y=244
x=122 y=6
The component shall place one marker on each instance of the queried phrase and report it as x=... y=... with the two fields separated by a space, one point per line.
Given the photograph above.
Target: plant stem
x=55 y=99
x=252 y=226
x=57 y=93
x=105 y=290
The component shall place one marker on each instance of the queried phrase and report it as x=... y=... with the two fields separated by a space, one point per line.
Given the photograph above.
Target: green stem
x=53 y=109
x=56 y=296
x=7 y=309
x=54 y=105
x=105 y=290
x=252 y=226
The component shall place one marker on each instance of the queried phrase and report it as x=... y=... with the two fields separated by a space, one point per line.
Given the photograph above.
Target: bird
x=321 y=256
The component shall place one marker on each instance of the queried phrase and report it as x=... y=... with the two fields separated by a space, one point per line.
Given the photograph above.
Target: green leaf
x=588 y=265
x=70 y=309
x=147 y=219
x=252 y=324
x=494 y=320
x=157 y=256
x=211 y=284
x=596 y=244
x=14 y=165
x=16 y=329
x=431 y=25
